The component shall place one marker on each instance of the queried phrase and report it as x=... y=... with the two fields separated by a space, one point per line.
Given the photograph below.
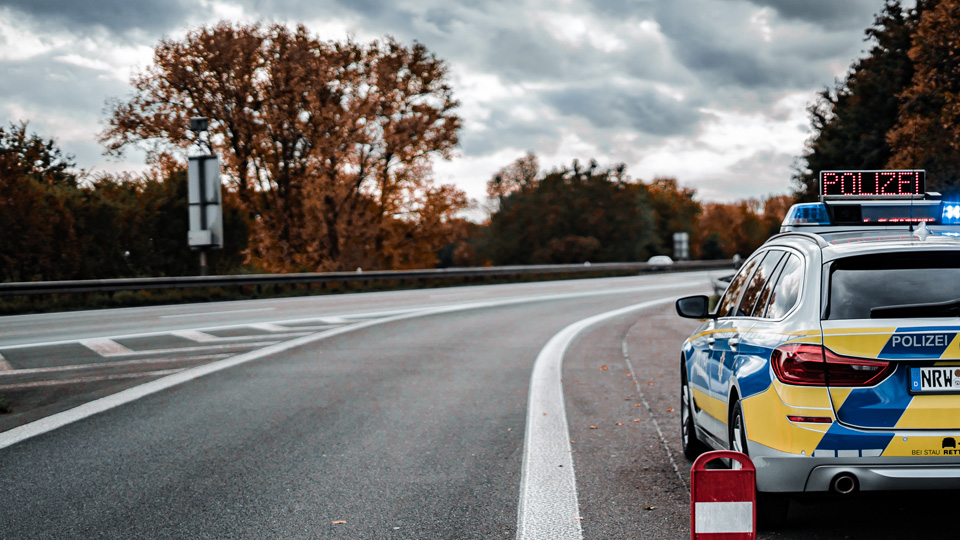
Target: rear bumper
x=790 y=473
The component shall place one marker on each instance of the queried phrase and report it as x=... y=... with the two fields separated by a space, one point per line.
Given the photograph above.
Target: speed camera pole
x=206 y=215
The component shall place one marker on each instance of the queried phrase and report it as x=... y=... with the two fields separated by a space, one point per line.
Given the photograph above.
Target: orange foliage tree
x=327 y=145
x=927 y=134
x=739 y=228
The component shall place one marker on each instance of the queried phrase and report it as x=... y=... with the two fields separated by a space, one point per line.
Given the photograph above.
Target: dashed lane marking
x=656 y=425
x=105 y=347
x=548 y=508
x=195 y=335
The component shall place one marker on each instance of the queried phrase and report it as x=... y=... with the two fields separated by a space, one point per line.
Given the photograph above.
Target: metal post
x=203 y=262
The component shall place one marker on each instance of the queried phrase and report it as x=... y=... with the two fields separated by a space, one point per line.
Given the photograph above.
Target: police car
x=833 y=357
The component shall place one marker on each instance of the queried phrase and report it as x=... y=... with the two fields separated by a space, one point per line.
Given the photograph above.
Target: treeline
x=59 y=223
x=899 y=106
x=591 y=213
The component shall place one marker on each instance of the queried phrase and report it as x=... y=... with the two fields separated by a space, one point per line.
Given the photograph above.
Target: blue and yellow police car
x=833 y=357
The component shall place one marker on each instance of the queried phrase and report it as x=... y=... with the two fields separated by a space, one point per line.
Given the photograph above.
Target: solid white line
x=4 y=365
x=108 y=365
x=96 y=378
x=548 y=506
x=177 y=316
x=203 y=337
x=202 y=348
x=50 y=423
x=105 y=347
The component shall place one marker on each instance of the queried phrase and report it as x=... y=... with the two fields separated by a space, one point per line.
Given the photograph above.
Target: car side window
x=731 y=298
x=750 y=306
x=787 y=290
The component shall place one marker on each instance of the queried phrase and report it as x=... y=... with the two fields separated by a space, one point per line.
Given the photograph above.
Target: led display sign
x=871 y=183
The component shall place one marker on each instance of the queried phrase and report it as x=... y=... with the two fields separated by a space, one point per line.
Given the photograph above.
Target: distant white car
x=660 y=259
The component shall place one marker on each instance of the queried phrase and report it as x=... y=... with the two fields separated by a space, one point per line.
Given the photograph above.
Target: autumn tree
x=327 y=145
x=567 y=215
x=850 y=122
x=674 y=209
x=727 y=229
x=927 y=134
x=37 y=181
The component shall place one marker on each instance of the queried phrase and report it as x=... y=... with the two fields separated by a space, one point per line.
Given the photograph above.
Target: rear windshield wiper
x=950 y=308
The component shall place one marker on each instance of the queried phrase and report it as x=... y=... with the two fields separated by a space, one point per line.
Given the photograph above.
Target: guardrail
x=135 y=284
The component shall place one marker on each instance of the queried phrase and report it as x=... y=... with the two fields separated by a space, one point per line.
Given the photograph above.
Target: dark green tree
x=570 y=215
x=850 y=122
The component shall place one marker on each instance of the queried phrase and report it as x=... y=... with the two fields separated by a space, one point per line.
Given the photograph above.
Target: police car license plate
x=934 y=380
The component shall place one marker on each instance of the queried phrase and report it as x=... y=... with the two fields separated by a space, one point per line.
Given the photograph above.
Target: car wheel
x=772 y=508
x=692 y=447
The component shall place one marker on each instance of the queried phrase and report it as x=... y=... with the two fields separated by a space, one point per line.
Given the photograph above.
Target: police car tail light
x=799 y=364
x=814 y=365
x=846 y=371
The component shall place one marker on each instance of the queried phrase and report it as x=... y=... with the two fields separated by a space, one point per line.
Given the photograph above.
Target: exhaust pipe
x=844 y=484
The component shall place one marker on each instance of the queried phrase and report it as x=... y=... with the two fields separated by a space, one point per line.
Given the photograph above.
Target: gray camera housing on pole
x=206 y=213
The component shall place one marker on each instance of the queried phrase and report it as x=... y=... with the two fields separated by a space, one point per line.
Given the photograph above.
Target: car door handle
x=734 y=342
x=711 y=340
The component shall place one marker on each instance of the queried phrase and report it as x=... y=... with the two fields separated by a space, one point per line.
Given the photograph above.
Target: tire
x=772 y=508
x=692 y=446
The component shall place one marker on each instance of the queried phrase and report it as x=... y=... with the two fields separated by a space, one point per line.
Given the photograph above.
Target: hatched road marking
x=105 y=347
x=97 y=378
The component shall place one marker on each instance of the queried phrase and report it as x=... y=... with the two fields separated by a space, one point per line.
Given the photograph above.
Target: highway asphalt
x=381 y=415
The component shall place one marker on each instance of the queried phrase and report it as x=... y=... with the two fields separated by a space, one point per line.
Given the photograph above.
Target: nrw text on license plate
x=935 y=379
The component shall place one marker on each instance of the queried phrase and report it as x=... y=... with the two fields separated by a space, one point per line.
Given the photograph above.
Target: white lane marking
x=548 y=506
x=55 y=421
x=203 y=337
x=333 y=320
x=4 y=365
x=108 y=365
x=269 y=327
x=97 y=378
x=204 y=314
x=194 y=335
x=203 y=348
x=105 y=347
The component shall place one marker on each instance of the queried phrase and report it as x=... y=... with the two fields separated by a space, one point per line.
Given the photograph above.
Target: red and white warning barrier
x=723 y=502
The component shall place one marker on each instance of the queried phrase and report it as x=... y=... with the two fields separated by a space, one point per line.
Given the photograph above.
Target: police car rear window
x=894 y=285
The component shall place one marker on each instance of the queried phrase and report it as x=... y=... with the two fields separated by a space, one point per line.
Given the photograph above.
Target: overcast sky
x=712 y=92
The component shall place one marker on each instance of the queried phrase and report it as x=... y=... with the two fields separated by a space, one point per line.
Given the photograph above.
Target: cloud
x=616 y=107
x=708 y=91
x=117 y=16
x=831 y=14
